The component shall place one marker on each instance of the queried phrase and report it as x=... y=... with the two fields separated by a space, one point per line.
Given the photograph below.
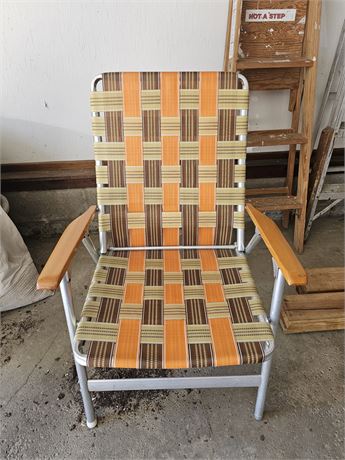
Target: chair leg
x=91 y=419
x=66 y=294
x=277 y=296
x=261 y=396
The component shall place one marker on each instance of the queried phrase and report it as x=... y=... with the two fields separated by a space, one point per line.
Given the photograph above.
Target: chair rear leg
x=261 y=396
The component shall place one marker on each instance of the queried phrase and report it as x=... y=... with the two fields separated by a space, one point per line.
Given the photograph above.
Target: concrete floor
x=41 y=415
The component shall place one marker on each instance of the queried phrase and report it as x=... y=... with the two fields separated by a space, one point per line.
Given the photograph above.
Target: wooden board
x=327 y=279
x=315 y=301
x=264 y=138
x=273 y=39
x=268 y=63
x=311 y=320
x=266 y=191
x=50 y=175
x=272 y=79
x=274 y=203
x=320 y=304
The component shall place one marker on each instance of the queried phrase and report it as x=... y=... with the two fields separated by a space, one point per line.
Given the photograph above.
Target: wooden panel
x=52 y=175
x=274 y=137
x=266 y=191
x=272 y=79
x=312 y=315
x=327 y=279
x=273 y=39
x=268 y=63
x=315 y=301
x=275 y=48
x=279 y=248
x=274 y=203
x=311 y=320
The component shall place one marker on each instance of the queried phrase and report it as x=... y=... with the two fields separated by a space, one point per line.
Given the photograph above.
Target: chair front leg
x=66 y=294
x=277 y=297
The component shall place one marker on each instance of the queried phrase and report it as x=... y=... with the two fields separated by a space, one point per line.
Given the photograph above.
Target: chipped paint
x=240 y=51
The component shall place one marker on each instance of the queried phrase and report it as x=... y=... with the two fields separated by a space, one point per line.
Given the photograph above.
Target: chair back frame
x=240 y=233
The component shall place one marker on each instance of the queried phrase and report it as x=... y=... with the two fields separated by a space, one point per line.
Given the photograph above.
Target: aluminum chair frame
x=256 y=380
x=173 y=383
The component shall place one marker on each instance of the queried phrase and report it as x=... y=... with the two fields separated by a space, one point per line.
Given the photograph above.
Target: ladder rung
x=267 y=191
x=275 y=203
x=274 y=137
x=268 y=63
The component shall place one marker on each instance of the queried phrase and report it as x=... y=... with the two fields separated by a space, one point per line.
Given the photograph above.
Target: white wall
x=53 y=49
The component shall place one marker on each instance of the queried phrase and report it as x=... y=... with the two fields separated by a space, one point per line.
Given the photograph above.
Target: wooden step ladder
x=275 y=45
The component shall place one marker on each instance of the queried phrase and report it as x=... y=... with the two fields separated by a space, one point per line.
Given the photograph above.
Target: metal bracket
x=254 y=241
x=275 y=268
x=88 y=243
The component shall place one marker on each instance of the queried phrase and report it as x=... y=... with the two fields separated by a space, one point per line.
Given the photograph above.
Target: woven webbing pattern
x=169 y=157
x=173 y=309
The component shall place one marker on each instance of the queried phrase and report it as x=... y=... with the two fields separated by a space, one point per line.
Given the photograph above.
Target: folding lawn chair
x=172 y=288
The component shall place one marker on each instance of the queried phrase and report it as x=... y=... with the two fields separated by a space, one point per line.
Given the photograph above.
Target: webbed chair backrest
x=170 y=158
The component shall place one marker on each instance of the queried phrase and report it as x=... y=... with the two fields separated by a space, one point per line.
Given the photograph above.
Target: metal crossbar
x=166 y=248
x=175 y=383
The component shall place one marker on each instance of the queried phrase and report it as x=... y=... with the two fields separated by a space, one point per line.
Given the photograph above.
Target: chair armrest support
x=279 y=248
x=62 y=255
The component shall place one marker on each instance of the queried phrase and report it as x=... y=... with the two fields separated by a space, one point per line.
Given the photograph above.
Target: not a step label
x=274 y=15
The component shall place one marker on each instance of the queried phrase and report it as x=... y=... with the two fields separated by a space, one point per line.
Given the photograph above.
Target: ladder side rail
x=338 y=55
x=319 y=187
x=312 y=37
x=338 y=106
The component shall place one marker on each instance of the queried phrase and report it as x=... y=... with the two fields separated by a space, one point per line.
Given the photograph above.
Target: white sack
x=18 y=274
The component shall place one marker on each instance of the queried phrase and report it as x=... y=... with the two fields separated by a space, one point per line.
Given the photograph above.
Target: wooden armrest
x=61 y=256
x=279 y=248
